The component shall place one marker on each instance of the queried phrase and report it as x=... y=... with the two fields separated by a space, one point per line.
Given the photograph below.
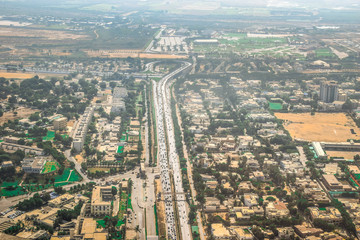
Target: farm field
x=322 y=127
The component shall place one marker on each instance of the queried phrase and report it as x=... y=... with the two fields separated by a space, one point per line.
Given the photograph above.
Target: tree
x=113 y=191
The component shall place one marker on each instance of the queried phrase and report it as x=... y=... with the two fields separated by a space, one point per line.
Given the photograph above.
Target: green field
x=275 y=106
x=324 y=52
x=120 y=149
x=238 y=42
x=49 y=167
x=49 y=136
x=74 y=177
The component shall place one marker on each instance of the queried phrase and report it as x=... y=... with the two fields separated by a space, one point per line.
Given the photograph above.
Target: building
x=251 y=199
x=101 y=201
x=7 y=164
x=319 y=150
x=34 y=164
x=60 y=123
x=242 y=234
x=10 y=139
x=12 y=147
x=277 y=210
x=61 y=200
x=328 y=214
x=328 y=91
x=82 y=128
x=120 y=92
x=331 y=182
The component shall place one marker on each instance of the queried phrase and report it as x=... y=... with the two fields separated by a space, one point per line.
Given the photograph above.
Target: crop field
x=322 y=127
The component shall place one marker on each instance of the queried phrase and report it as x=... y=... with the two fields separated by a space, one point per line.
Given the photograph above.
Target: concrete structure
x=11 y=139
x=101 y=201
x=82 y=128
x=7 y=164
x=329 y=214
x=319 y=150
x=328 y=91
x=12 y=147
x=331 y=182
x=120 y=92
x=34 y=164
x=60 y=123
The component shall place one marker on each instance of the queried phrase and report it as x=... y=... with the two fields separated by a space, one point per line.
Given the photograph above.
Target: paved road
x=303 y=158
x=168 y=158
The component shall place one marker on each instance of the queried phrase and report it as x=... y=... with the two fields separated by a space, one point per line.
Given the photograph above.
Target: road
x=303 y=158
x=67 y=154
x=169 y=159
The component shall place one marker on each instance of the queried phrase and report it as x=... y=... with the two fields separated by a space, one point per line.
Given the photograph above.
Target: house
x=251 y=199
x=277 y=209
x=328 y=214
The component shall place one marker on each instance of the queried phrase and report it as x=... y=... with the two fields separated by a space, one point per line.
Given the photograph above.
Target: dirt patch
x=20 y=75
x=120 y=53
x=39 y=33
x=346 y=155
x=322 y=127
x=22 y=112
x=160 y=207
x=79 y=158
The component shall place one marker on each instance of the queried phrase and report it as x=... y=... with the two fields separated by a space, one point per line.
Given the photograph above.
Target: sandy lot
x=323 y=127
x=346 y=155
x=121 y=53
x=20 y=75
x=21 y=113
x=39 y=33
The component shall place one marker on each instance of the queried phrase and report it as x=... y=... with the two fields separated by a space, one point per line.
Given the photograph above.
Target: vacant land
x=20 y=75
x=323 y=127
x=346 y=155
x=21 y=113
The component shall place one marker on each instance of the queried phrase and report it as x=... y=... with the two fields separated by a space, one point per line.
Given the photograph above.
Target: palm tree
x=137 y=228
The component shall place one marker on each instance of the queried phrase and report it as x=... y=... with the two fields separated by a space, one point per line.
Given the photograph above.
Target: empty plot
x=322 y=127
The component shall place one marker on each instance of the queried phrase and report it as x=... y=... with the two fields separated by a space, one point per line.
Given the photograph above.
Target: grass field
x=323 y=127
x=74 y=177
x=324 y=52
x=275 y=106
x=50 y=167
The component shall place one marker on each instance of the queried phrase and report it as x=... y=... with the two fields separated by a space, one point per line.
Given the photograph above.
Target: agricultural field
x=322 y=127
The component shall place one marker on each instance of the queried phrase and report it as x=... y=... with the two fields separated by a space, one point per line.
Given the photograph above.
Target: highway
x=168 y=158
